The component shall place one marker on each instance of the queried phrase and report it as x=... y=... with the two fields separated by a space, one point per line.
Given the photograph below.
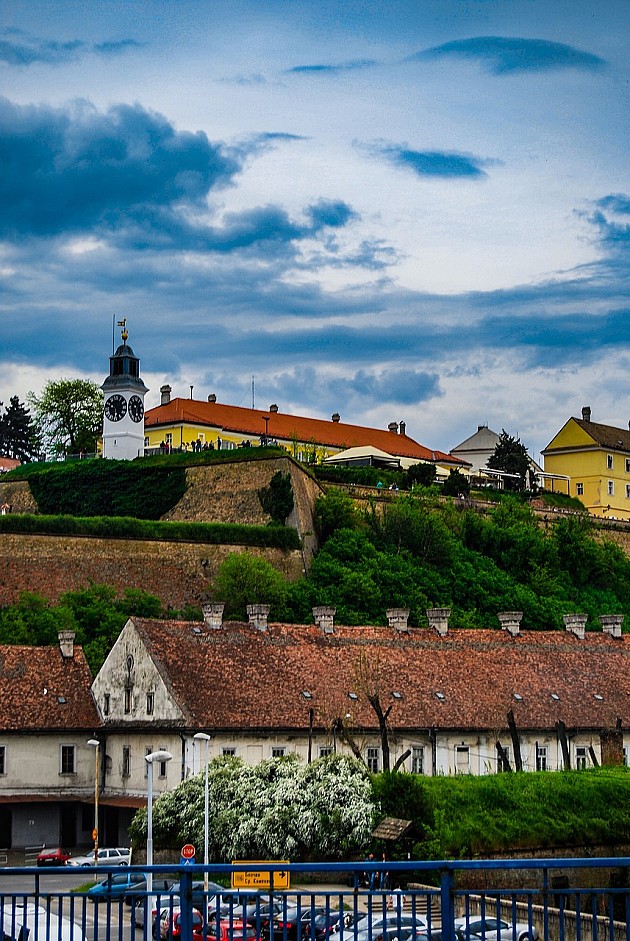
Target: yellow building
x=188 y=424
x=596 y=459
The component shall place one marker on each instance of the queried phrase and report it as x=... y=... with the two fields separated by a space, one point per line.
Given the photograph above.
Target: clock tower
x=123 y=414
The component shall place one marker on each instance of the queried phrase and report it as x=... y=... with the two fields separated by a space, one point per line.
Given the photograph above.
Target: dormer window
x=150 y=702
x=106 y=704
x=127 y=706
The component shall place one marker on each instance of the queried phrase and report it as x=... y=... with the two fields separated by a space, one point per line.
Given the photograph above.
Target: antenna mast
x=253 y=395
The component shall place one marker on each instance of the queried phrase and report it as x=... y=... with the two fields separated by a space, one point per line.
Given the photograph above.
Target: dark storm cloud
x=430 y=162
x=20 y=49
x=331 y=69
x=130 y=178
x=503 y=54
x=75 y=169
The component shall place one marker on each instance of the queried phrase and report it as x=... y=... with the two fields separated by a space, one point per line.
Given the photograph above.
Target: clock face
x=115 y=407
x=136 y=408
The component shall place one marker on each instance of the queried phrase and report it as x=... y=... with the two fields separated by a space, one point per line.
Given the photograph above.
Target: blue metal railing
x=465 y=900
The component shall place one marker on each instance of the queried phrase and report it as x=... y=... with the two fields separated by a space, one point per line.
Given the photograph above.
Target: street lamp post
x=204 y=737
x=158 y=756
x=96 y=745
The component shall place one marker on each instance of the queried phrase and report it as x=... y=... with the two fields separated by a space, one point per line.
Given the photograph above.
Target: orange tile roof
x=34 y=679
x=255 y=680
x=249 y=422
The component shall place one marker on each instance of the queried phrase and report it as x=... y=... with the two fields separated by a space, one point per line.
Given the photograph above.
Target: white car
x=23 y=920
x=118 y=856
x=475 y=928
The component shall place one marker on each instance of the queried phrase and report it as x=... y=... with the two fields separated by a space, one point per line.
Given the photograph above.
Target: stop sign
x=188 y=851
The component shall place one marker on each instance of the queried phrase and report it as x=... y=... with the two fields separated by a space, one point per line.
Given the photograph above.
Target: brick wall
x=177 y=573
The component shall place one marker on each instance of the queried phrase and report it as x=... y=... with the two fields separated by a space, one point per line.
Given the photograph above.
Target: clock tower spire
x=123 y=416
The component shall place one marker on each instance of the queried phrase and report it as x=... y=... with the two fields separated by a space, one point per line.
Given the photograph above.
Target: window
x=627 y=491
x=625 y=755
x=127 y=706
x=147 y=751
x=503 y=759
x=628 y=465
x=541 y=758
x=106 y=704
x=126 y=762
x=150 y=702
x=417 y=759
x=325 y=751
x=68 y=765
x=462 y=759
x=162 y=767
x=277 y=752
x=372 y=760
x=609 y=461
x=611 y=488
x=146 y=441
x=581 y=756
x=168 y=438
x=579 y=490
x=3 y=759
x=228 y=752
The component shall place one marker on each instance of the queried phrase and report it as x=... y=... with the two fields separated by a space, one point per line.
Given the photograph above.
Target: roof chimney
x=438 y=619
x=212 y=398
x=66 y=644
x=258 y=615
x=274 y=409
x=213 y=614
x=576 y=624
x=165 y=395
x=336 y=416
x=510 y=621
x=393 y=426
x=398 y=618
x=324 y=618
x=586 y=413
x=611 y=624
x=403 y=428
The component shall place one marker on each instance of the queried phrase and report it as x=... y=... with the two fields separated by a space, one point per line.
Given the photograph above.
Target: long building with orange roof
x=182 y=423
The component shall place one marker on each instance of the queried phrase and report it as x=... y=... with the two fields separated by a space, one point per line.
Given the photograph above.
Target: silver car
x=117 y=856
x=476 y=928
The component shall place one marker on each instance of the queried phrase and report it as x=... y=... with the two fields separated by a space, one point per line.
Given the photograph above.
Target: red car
x=53 y=856
x=231 y=931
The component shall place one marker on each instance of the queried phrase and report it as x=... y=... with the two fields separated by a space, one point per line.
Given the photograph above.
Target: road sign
x=188 y=851
x=94 y=834
x=260 y=878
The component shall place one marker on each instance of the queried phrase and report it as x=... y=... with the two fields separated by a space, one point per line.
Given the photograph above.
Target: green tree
x=335 y=510
x=278 y=809
x=456 y=484
x=245 y=579
x=277 y=498
x=18 y=438
x=68 y=415
x=511 y=457
x=422 y=474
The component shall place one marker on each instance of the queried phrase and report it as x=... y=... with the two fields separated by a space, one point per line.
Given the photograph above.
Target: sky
x=412 y=210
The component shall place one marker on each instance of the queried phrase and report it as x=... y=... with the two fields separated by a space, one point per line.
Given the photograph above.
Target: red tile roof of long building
x=251 y=423
x=239 y=678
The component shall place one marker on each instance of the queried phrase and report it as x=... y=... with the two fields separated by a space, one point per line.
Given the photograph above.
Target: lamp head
x=158 y=756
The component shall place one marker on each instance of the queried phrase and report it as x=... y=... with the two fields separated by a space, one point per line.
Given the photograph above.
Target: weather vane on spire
x=124 y=333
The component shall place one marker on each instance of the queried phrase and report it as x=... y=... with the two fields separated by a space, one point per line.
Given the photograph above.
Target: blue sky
x=411 y=210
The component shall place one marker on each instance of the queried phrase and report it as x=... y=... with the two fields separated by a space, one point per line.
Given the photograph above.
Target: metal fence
x=478 y=900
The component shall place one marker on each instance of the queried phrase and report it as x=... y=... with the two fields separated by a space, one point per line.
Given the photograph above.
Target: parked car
x=230 y=929
x=52 y=856
x=117 y=856
x=171 y=924
x=293 y=924
x=367 y=929
x=164 y=894
x=21 y=919
x=119 y=885
x=474 y=928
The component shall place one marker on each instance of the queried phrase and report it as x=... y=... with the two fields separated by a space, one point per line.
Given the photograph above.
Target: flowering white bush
x=279 y=809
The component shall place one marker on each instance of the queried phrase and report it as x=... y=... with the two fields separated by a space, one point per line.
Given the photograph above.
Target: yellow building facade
x=596 y=459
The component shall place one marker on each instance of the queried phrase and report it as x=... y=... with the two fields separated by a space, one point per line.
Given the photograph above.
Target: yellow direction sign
x=260 y=878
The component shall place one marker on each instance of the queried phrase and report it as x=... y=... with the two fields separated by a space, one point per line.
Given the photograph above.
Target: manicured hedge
x=112 y=527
